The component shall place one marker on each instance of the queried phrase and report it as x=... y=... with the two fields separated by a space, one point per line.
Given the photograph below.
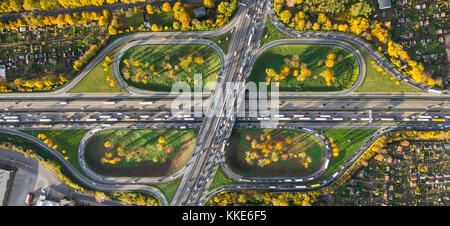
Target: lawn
x=347 y=141
x=67 y=140
x=159 y=68
x=271 y=33
x=220 y=179
x=222 y=41
x=301 y=156
x=313 y=56
x=95 y=81
x=143 y=153
x=377 y=82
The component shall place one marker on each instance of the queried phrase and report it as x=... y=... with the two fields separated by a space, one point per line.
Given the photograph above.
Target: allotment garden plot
x=158 y=67
x=274 y=153
x=139 y=153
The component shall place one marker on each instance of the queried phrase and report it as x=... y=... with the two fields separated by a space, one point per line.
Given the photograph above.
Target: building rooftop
x=4 y=177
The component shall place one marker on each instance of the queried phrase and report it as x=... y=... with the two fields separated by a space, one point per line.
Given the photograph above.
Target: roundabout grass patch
x=274 y=153
x=139 y=153
x=158 y=67
x=304 y=68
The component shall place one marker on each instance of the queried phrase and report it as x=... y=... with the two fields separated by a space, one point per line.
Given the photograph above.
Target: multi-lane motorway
x=140 y=109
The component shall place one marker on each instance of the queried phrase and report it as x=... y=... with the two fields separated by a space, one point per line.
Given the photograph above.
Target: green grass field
x=166 y=58
x=46 y=155
x=376 y=82
x=142 y=153
x=345 y=69
x=222 y=41
x=169 y=188
x=220 y=179
x=95 y=80
x=67 y=140
x=347 y=141
x=303 y=144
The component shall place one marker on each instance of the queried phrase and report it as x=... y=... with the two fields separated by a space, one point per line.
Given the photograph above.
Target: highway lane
x=86 y=181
